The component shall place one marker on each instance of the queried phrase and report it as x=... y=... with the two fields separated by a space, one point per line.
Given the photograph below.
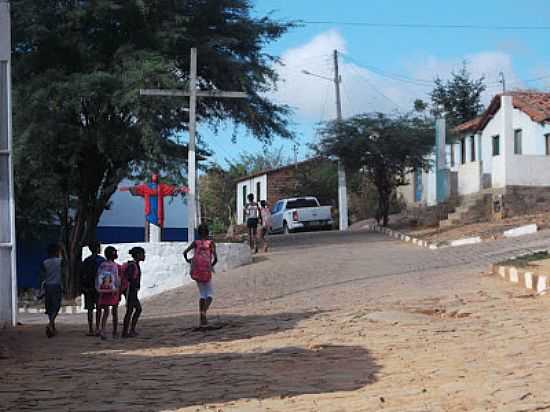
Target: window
x=463 y=150
x=298 y=203
x=517 y=141
x=496 y=145
x=258 y=191
x=473 y=149
x=547 y=143
x=244 y=195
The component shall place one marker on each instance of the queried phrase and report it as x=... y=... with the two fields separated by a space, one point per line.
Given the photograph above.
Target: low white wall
x=469 y=178
x=164 y=267
x=528 y=170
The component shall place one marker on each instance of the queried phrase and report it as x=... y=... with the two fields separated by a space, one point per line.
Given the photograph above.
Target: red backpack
x=201 y=266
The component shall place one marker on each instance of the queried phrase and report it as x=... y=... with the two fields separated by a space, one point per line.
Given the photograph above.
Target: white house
x=505 y=153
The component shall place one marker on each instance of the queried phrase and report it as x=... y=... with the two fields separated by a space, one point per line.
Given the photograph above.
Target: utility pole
x=342 y=190
x=193 y=94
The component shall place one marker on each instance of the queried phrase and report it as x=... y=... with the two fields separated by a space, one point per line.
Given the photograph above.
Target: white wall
x=128 y=211
x=164 y=267
x=528 y=170
x=469 y=178
x=250 y=188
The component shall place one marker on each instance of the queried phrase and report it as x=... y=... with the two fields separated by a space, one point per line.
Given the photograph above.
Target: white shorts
x=205 y=290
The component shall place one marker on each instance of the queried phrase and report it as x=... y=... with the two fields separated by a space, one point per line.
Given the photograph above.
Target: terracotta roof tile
x=469 y=125
x=535 y=104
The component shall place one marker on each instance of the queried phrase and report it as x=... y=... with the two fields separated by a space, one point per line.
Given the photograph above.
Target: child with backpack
x=88 y=273
x=132 y=272
x=202 y=264
x=108 y=288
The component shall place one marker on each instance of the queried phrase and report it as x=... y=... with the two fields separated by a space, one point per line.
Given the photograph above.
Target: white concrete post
x=8 y=270
x=191 y=177
x=507 y=138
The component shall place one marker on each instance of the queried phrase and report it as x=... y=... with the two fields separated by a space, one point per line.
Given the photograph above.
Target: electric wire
x=426 y=25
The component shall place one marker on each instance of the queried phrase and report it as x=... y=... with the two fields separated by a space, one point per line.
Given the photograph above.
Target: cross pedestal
x=153 y=233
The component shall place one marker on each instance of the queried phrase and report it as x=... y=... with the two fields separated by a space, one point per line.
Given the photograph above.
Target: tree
x=80 y=126
x=384 y=149
x=460 y=96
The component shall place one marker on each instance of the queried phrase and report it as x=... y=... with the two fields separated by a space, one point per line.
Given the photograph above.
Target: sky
x=384 y=69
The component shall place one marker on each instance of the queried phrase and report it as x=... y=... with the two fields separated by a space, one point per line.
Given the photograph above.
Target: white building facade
x=504 y=152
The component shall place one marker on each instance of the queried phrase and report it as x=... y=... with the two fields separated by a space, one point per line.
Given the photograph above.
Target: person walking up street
x=252 y=213
x=202 y=264
x=265 y=215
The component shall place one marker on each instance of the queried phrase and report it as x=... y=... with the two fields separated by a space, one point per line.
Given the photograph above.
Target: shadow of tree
x=170 y=366
x=149 y=380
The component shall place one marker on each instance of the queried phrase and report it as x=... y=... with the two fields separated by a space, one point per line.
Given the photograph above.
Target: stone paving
x=325 y=322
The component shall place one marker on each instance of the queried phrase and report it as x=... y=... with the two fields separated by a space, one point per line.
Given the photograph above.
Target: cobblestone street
x=325 y=322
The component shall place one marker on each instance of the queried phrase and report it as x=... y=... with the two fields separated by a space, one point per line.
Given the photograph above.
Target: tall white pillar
x=507 y=138
x=8 y=273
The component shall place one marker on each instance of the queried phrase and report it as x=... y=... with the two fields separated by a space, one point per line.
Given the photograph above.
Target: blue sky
x=375 y=60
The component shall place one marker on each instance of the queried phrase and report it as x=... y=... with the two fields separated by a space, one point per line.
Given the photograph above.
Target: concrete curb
x=518 y=231
x=64 y=309
x=523 y=277
x=401 y=236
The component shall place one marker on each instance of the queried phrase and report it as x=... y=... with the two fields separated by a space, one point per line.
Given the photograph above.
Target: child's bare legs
x=202 y=311
x=115 y=320
x=264 y=238
x=251 y=237
x=255 y=237
x=97 y=319
x=105 y=316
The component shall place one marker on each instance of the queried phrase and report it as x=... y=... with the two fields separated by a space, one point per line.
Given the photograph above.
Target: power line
x=362 y=77
x=427 y=26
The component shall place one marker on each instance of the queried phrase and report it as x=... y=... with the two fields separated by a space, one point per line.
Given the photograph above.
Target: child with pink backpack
x=202 y=263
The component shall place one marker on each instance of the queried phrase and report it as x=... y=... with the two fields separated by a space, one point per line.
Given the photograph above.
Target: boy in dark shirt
x=133 y=306
x=88 y=273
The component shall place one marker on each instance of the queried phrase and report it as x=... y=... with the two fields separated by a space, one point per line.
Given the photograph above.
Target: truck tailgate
x=313 y=214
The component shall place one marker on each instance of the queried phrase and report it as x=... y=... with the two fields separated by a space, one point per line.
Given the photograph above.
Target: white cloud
x=365 y=90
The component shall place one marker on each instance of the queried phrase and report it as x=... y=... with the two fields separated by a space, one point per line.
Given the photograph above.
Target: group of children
x=257 y=215
x=103 y=282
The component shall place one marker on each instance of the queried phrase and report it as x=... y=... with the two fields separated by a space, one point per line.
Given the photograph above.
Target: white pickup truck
x=299 y=213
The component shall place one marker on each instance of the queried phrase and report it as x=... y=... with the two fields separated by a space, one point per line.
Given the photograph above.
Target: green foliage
x=317 y=178
x=459 y=97
x=384 y=149
x=80 y=126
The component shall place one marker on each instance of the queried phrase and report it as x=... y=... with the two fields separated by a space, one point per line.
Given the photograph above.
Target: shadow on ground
x=167 y=367
x=127 y=381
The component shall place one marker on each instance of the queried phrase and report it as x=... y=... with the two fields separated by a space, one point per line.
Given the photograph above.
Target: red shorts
x=108 y=299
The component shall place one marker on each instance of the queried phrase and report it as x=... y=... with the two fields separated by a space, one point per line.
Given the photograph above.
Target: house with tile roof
x=502 y=158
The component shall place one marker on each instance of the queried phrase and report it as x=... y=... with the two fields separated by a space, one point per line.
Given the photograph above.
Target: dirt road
x=326 y=322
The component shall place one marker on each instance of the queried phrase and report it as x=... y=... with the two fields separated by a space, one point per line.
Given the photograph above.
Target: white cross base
x=155 y=233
